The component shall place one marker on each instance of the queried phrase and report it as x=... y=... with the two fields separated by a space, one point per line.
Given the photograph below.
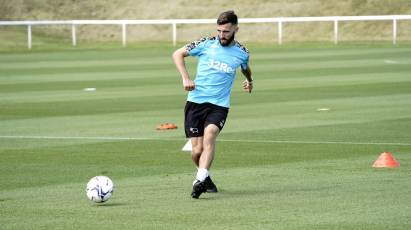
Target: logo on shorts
x=193 y=130
x=222 y=123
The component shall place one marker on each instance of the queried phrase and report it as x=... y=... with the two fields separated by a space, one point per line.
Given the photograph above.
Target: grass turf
x=280 y=162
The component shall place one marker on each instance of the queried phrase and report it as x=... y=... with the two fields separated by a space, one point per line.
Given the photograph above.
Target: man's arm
x=248 y=83
x=178 y=58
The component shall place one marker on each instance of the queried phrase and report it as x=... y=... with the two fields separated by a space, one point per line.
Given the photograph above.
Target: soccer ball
x=99 y=189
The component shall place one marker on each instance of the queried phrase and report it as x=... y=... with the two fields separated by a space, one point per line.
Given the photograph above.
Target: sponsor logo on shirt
x=219 y=65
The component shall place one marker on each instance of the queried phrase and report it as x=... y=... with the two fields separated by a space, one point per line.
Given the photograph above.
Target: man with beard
x=208 y=99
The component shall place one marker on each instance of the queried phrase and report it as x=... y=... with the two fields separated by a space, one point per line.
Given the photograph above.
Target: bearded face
x=226 y=33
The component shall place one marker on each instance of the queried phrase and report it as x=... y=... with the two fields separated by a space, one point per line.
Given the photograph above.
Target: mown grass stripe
x=220 y=139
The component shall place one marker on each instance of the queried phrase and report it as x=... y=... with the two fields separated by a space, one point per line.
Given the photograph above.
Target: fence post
x=394 y=31
x=124 y=34
x=280 y=32
x=73 y=34
x=29 y=36
x=335 y=31
x=174 y=34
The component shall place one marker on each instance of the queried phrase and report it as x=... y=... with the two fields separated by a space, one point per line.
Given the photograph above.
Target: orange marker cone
x=166 y=126
x=386 y=160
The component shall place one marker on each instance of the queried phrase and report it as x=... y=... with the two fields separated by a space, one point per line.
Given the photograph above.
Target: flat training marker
x=187 y=147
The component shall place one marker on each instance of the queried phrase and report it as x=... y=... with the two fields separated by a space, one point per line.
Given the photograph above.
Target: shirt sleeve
x=245 y=56
x=244 y=65
x=196 y=48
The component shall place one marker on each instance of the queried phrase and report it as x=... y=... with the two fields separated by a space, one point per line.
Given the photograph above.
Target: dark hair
x=227 y=17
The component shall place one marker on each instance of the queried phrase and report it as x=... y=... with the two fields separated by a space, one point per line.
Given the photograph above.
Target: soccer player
x=208 y=99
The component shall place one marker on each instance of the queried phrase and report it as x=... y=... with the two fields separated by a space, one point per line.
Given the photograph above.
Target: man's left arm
x=248 y=83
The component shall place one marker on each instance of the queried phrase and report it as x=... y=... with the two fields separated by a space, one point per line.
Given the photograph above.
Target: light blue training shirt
x=216 y=70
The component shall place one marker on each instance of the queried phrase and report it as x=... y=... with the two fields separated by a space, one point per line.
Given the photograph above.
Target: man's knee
x=197 y=150
x=197 y=147
x=210 y=134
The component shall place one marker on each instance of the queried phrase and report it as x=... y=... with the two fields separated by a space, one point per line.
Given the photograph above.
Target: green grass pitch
x=295 y=154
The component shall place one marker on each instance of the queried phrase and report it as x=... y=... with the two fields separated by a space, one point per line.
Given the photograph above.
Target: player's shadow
x=233 y=193
x=112 y=204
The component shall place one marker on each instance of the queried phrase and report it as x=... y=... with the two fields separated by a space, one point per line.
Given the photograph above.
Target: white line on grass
x=316 y=142
x=222 y=140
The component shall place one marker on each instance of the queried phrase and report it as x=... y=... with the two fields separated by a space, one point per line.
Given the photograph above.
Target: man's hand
x=248 y=86
x=188 y=85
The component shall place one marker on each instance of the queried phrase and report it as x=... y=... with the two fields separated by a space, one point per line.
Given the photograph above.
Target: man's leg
x=197 y=149
x=203 y=181
x=207 y=156
x=203 y=148
x=210 y=135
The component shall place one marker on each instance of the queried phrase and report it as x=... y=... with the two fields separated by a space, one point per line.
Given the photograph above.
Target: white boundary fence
x=174 y=22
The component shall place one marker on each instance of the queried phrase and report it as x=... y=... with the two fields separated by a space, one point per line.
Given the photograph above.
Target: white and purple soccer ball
x=99 y=189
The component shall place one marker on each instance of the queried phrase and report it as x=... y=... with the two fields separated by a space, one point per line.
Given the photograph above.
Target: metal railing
x=280 y=21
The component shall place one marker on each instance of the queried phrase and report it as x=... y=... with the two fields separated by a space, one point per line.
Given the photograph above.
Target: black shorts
x=198 y=116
